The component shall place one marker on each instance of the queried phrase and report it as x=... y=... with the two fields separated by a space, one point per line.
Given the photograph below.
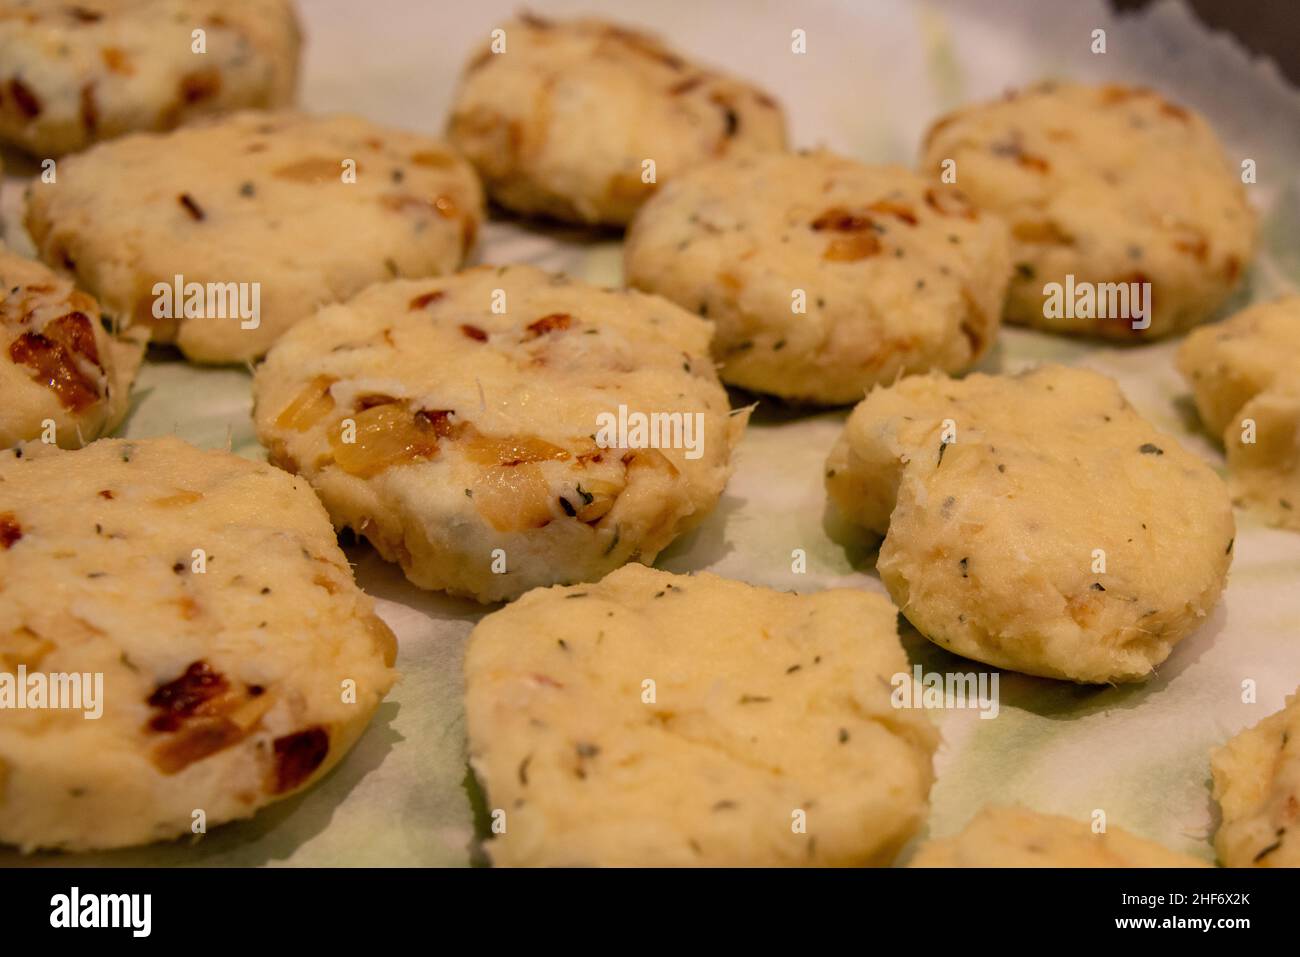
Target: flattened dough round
x=1265 y=474
x=562 y=121
x=1257 y=785
x=1108 y=184
x=311 y=208
x=1019 y=837
x=77 y=73
x=994 y=542
x=222 y=689
x=1245 y=377
x=479 y=461
x=762 y=704
x=59 y=364
x=889 y=275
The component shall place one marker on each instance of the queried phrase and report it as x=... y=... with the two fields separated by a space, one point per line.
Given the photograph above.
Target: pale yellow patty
x=824 y=276
x=231 y=678
x=1109 y=184
x=561 y=122
x=995 y=542
x=76 y=73
x=1245 y=377
x=477 y=457
x=668 y=720
x=310 y=208
x=1018 y=837
x=59 y=366
x=1257 y=785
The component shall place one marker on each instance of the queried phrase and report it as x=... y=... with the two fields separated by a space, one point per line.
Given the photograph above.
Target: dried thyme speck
x=1146 y=448
x=191 y=207
x=1266 y=851
x=844 y=735
x=754 y=699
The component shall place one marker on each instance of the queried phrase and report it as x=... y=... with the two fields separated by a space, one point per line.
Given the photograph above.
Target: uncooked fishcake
x=1035 y=522
x=1229 y=363
x=1245 y=376
x=1265 y=474
x=1257 y=785
x=222 y=257
x=562 y=121
x=76 y=73
x=1108 y=184
x=666 y=720
x=61 y=367
x=1018 y=837
x=492 y=451
x=824 y=276
x=213 y=651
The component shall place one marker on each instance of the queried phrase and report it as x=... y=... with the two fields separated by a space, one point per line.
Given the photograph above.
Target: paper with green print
x=873 y=77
